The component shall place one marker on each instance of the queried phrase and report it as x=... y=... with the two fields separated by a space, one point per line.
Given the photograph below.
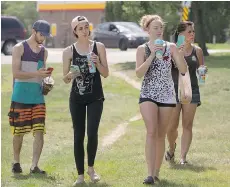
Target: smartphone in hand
x=50 y=69
x=74 y=69
x=180 y=40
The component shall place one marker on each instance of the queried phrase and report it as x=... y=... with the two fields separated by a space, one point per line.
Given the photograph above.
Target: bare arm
x=200 y=56
x=178 y=58
x=45 y=57
x=16 y=65
x=67 y=58
x=101 y=64
x=142 y=65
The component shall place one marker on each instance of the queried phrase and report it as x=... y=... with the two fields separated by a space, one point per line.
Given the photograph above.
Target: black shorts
x=141 y=100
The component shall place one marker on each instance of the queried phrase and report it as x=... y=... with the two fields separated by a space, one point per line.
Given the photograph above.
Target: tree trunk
x=199 y=27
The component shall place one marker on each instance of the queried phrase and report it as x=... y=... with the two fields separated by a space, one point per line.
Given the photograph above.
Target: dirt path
x=120 y=130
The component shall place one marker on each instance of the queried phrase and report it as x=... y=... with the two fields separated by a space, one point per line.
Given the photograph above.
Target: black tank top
x=88 y=87
x=193 y=64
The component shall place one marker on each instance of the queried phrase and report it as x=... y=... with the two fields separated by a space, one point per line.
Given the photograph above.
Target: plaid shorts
x=26 y=117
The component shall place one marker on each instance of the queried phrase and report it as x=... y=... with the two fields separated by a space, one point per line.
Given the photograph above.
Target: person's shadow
x=52 y=179
x=90 y=184
x=191 y=167
x=37 y=176
x=166 y=183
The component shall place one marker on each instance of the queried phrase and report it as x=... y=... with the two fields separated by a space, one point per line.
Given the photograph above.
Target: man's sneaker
x=16 y=168
x=36 y=170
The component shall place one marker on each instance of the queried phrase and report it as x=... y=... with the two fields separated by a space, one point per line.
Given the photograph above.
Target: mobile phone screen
x=74 y=68
x=180 y=40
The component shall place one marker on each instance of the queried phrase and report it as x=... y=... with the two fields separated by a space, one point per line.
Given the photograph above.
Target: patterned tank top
x=29 y=91
x=158 y=83
x=88 y=86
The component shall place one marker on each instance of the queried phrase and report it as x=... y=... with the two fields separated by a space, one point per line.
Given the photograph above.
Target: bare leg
x=172 y=132
x=188 y=114
x=17 y=145
x=163 y=117
x=149 y=113
x=37 y=148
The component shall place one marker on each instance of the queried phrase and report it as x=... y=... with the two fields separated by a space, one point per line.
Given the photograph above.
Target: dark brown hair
x=182 y=26
x=76 y=34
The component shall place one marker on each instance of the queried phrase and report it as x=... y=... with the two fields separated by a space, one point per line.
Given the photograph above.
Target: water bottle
x=201 y=75
x=159 y=53
x=91 y=65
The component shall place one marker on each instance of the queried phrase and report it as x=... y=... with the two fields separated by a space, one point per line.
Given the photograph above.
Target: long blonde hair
x=147 y=19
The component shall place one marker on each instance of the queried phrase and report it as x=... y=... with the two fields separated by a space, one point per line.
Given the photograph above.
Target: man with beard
x=27 y=111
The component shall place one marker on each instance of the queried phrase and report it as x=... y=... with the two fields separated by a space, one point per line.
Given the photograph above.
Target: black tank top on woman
x=193 y=64
x=86 y=88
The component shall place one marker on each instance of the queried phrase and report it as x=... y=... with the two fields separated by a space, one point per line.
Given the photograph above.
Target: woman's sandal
x=80 y=180
x=149 y=180
x=183 y=162
x=94 y=176
x=169 y=157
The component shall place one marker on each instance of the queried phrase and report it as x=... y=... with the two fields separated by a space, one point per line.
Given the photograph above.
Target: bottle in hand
x=92 y=67
x=159 y=53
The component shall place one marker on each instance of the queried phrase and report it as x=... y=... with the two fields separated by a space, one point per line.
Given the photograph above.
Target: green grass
x=218 y=46
x=121 y=104
x=210 y=150
x=123 y=164
x=219 y=61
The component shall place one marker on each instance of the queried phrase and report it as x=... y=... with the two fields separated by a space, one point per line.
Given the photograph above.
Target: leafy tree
x=210 y=18
x=134 y=10
x=25 y=11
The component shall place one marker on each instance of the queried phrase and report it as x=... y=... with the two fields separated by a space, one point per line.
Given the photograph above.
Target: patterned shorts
x=26 y=117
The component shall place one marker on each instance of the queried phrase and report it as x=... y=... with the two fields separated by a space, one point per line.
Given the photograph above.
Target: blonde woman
x=157 y=97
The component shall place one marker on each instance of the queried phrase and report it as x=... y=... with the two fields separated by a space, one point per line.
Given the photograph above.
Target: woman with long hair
x=84 y=62
x=195 y=59
x=157 y=97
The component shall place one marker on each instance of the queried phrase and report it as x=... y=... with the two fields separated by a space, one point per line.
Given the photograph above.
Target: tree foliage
x=134 y=10
x=210 y=17
x=25 y=11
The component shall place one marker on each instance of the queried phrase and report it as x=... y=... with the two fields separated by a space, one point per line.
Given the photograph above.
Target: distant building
x=60 y=14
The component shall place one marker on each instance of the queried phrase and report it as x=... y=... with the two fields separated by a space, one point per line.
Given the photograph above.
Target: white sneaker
x=79 y=180
x=94 y=176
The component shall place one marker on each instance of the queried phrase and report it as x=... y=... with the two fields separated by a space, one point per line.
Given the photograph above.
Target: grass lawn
x=57 y=158
x=123 y=164
x=210 y=150
x=218 y=46
x=219 y=61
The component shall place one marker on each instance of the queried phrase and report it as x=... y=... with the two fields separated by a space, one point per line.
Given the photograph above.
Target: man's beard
x=37 y=41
